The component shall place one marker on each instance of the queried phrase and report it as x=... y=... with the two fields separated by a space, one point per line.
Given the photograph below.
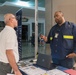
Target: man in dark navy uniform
x=62 y=39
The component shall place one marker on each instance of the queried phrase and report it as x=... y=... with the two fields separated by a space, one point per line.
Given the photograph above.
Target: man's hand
x=18 y=73
x=71 y=55
x=43 y=37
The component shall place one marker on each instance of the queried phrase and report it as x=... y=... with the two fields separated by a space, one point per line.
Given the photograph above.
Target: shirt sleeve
x=10 y=40
x=51 y=35
x=48 y=37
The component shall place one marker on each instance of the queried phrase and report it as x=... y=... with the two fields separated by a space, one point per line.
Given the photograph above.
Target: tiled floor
x=28 y=50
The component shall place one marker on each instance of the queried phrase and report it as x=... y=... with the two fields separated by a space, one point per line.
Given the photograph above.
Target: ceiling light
x=22 y=3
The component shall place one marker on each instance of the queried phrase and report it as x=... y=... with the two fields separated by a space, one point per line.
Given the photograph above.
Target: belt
x=2 y=63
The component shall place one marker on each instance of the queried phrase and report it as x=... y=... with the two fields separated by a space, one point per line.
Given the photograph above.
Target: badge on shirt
x=56 y=35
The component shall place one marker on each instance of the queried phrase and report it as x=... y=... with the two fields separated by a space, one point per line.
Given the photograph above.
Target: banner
x=19 y=31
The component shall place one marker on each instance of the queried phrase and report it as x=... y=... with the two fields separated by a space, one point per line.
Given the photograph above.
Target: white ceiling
x=9 y=7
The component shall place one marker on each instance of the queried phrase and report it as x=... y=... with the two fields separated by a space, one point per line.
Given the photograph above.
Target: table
x=27 y=68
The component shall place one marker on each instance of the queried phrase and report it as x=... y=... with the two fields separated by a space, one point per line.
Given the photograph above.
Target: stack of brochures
x=56 y=72
x=32 y=70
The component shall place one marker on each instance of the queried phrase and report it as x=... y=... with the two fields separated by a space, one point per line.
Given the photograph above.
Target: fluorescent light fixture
x=22 y=3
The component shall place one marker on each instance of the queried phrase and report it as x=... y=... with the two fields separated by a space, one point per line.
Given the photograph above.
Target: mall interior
x=45 y=18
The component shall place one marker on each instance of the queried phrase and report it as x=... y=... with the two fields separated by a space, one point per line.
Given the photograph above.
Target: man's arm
x=12 y=61
x=71 y=55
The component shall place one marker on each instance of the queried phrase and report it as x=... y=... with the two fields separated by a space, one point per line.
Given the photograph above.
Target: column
x=48 y=21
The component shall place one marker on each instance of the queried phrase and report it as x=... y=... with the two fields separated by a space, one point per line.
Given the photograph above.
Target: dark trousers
x=5 y=68
x=68 y=62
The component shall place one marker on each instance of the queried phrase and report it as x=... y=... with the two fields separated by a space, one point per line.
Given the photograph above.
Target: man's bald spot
x=7 y=17
x=59 y=12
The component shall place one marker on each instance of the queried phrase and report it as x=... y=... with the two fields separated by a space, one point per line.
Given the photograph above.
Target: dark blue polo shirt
x=62 y=40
